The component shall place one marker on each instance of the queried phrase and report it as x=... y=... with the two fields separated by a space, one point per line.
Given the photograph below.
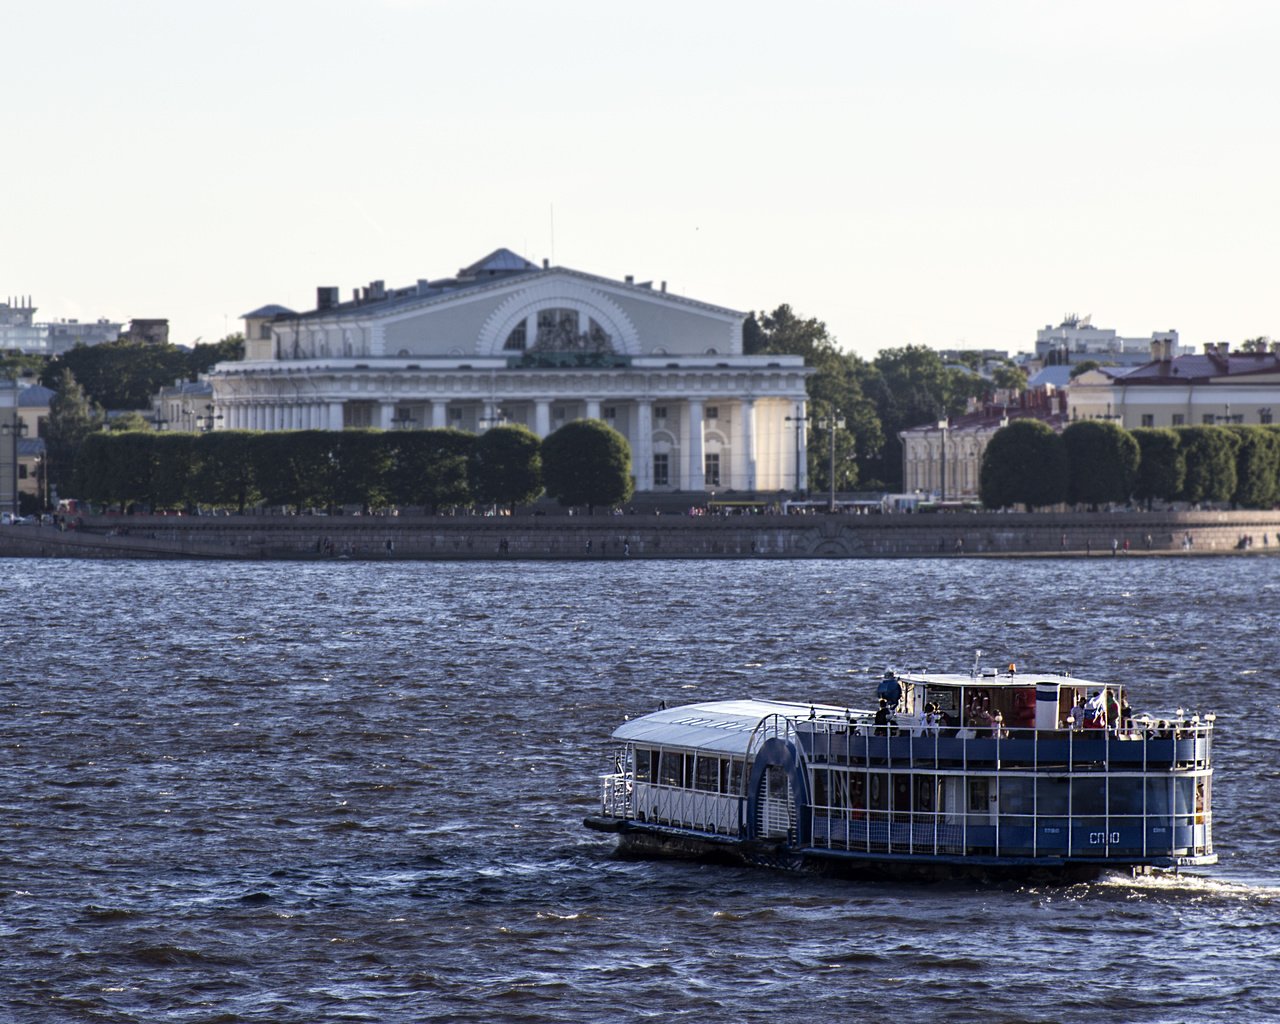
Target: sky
x=952 y=174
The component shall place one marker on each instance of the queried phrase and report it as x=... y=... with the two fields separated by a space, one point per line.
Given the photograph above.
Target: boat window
x=857 y=794
x=1017 y=795
x=979 y=794
x=901 y=795
x=1184 y=796
x=879 y=791
x=1088 y=796
x=731 y=775
x=821 y=791
x=708 y=774
x=1051 y=796
x=643 y=762
x=1126 y=796
x=1158 y=797
x=926 y=789
x=671 y=768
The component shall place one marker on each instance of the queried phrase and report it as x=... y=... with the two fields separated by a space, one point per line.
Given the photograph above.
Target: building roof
x=268 y=311
x=35 y=396
x=499 y=268
x=1203 y=367
x=500 y=261
x=1058 y=376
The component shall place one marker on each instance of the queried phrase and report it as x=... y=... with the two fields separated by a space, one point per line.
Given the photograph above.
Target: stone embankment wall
x=594 y=537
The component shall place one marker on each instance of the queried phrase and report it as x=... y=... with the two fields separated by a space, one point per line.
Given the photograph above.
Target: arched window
x=517 y=340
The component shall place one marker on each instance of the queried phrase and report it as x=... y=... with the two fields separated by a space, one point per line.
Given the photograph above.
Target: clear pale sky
x=918 y=171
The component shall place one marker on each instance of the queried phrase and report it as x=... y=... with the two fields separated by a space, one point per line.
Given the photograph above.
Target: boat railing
x=622 y=796
x=1145 y=744
x=1051 y=835
x=616 y=790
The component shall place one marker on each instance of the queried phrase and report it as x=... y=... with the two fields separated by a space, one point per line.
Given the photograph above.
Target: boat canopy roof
x=724 y=727
x=1001 y=679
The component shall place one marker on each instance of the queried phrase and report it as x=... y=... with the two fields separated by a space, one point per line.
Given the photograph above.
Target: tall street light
x=831 y=424
x=799 y=419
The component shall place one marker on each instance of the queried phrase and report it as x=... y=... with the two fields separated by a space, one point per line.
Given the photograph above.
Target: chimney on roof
x=664 y=287
x=631 y=279
x=326 y=297
x=546 y=263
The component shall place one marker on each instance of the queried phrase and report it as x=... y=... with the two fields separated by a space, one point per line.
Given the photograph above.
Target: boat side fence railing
x=1142 y=789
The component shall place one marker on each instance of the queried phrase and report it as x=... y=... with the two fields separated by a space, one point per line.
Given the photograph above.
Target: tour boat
x=992 y=772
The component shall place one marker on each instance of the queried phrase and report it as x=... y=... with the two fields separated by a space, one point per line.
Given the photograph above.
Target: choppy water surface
x=354 y=792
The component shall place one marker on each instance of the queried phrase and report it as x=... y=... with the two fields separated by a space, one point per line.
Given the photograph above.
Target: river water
x=354 y=792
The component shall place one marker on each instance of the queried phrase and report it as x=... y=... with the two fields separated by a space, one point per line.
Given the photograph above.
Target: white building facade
x=505 y=341
x=1217 y=387
x=1076 y=340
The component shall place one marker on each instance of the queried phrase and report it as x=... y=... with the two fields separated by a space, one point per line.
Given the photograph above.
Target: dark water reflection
x=353 y=792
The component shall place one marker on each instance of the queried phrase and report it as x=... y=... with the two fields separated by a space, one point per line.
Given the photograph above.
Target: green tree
x=1024 y=463
x=587 y=462
x=837 y=387
x=124 y=374
x=173 y=456
x=293 y=467
x=223 y=475
x=506 y=466
x=1161 y=468
x=131 y=420
x=914 y=386
x=362 y=459
x=1102 y=462
x=72 y=418
x=1210 y=457
x=1084 y=366
x=429 y=468
x=92 y=478
x=130 y=456
x=1257 y=467
x=1009 y=378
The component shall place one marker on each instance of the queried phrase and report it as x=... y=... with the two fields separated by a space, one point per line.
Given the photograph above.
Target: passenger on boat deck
x=883 y=718
x=890 y=689
x=931 y=722
x=1095 y=712
x=997 y=726
x=1075 y=718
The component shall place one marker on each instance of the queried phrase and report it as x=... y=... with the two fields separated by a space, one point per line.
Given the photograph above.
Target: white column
x=386 y=412
x=488 y=412
x=642 y=446
x=803 y=449
x=747 y=450
x=593 y=408
x=335 y=416
x=542 y=417
x=695 y=474
x=439 y=413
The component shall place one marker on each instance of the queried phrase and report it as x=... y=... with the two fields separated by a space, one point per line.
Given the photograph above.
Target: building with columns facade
x=505 y=341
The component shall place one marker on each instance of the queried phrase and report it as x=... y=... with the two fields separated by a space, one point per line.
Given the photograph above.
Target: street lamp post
x=831 y=424
x=799 y=419
x=208 y=421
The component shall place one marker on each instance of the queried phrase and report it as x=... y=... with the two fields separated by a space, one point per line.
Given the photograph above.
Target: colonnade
x=677 y=426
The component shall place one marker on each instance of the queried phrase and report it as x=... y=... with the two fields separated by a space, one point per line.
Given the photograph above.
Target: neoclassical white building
x=508 y=341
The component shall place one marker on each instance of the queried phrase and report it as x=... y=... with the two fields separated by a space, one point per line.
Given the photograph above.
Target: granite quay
x=559 y=537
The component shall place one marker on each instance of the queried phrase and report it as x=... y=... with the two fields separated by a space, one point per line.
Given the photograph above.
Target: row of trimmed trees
x=585 y=462
x=1094 y=462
